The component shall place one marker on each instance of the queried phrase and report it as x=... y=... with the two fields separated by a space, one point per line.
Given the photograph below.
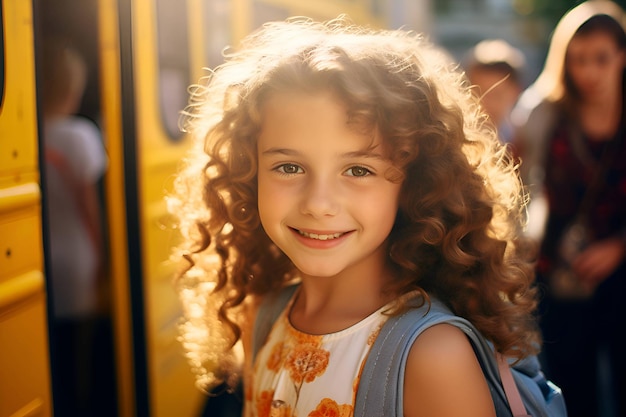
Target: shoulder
x=532 y=107
x=443 y=376
x=74 y=135
x=79 y=141
x=75 y=127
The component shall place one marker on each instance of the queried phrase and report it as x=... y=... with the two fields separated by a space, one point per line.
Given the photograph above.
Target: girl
x=75 y=163
x=573 y=152
x=356 y=163
x=496 y=68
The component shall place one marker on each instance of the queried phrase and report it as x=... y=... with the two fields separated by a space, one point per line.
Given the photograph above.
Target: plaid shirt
x=568 y=178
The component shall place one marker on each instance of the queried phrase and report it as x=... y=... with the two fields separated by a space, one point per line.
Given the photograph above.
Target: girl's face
x=595 y=65
x=323 y=196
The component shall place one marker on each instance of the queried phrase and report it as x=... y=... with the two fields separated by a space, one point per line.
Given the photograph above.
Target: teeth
x=320 y=237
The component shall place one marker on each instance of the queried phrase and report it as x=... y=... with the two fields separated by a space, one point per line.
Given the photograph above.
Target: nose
x=591 y=69
x=320 y=198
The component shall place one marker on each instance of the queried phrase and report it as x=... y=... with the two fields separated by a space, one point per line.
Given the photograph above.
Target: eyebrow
x=368 y=153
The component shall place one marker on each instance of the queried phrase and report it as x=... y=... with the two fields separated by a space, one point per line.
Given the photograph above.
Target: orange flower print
x=372 y=338
x=306 y=362
x=355 y=384
x=276 y=357
x=329 y=408
x=300 y=338
x=264 y=403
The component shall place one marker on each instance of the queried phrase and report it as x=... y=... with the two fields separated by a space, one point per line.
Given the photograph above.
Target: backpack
x=517 y=390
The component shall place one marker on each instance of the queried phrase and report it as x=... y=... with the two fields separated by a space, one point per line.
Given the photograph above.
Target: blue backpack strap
x=381 y=387
x=541 y=397
x=269 y=310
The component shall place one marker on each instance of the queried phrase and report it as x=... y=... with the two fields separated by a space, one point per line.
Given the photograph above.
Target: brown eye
x=358 y=171
x=289 y=169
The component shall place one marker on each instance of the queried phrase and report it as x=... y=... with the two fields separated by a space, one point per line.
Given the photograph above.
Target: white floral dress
x=302 y=375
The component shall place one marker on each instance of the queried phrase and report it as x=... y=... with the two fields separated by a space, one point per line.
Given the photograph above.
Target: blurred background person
x=495 y=68
x=573 y=155
x=75 y=163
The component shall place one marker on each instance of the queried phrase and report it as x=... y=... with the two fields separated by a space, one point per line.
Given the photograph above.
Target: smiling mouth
x=320 y=236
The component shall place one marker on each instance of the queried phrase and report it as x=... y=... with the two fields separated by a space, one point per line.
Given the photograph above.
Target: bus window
x=217 y=30
x=173 y=48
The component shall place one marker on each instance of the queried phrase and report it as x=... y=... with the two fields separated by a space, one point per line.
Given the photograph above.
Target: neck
x=329 y=304
x=600 y=119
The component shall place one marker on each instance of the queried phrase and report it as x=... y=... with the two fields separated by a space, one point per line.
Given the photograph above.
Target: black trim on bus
x=133 y=229
x=2 y=59
x=55 y=369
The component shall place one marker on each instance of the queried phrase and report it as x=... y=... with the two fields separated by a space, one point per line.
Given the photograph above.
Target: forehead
x=592 y=43
x=293 y=117
x=487 y=77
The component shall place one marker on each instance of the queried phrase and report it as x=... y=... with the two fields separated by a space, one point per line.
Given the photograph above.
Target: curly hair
x=456 y=235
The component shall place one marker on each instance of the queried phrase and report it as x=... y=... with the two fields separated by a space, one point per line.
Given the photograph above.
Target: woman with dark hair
x=573 y=156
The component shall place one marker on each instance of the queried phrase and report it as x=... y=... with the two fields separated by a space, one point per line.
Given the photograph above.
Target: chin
x=317 y=271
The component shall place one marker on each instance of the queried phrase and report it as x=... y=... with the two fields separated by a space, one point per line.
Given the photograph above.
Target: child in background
x=495 y=68
x=572 y=144
x=75 y=162
x=358 y=164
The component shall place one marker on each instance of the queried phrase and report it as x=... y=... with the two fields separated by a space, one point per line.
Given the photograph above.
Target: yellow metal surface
x=18 y=148
x=24 y=357
x=24 y=363
x=19 y=196
x=19 y=288
x=18 y=230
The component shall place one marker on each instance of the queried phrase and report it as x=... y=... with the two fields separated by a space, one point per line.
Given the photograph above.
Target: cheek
x=273 y=200
x=265 y=197
x=384 y=208
x=574 y=69
x=618 y=69
x=268 y=216
x=270 y=188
